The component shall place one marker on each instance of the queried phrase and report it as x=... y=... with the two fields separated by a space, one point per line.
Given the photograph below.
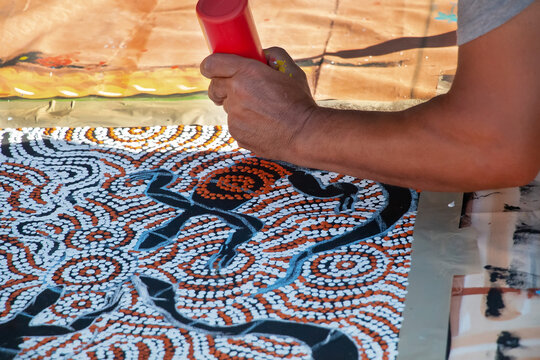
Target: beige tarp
x=383 y=50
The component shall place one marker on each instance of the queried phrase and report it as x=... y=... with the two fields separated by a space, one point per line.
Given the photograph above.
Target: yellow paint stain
x=22 y=58
x=281 y=65
x=37 y=83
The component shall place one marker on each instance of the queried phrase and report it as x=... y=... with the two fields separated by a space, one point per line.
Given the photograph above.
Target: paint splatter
x=494 y=302
x=55 y=62
x=509 y=208
x=513 y=278
x=451 y=17
x=506 y=341
x=281 y=66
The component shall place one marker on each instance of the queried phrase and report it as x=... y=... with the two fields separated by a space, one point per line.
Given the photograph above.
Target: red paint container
x=229 y=28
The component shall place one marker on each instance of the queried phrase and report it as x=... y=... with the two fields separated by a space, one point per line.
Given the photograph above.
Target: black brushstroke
x=306 y=183
x=31 y=57
x=325 y=343
x=465 y=217
x=5 y=147
x=527 y=234
x=526 y=190
x=506 y=341
x=399 y=201
x=244 y=227
x=494 y=302
x=511 y=208
x=496 y=273
x=13 y=332
x=529 y=230
x=513 y=278
x=476 y=196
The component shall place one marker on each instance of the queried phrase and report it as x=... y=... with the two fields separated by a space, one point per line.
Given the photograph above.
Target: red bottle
x=229 y=28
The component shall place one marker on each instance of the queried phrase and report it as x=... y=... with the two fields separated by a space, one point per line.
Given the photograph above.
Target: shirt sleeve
x=477 y=17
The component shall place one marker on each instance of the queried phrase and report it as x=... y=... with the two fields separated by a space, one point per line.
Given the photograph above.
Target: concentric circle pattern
x=173 y=243
x=96 y=269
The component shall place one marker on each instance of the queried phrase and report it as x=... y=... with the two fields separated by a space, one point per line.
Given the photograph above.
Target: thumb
x=280 y=60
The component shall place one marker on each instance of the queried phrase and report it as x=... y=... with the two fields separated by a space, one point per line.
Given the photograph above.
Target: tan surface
x=399 y=68
x=123 y=48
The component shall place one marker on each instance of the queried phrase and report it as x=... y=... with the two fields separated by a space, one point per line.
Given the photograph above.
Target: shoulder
x=495 y=95
x=477 y=17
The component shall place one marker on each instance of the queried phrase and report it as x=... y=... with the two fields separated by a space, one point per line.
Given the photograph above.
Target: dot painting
x=173 y=242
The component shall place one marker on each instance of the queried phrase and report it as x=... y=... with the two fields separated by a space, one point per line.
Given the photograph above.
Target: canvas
x=57 y=48
x=173 y=243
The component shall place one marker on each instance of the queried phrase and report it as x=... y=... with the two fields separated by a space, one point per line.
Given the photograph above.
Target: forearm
x=482 y=134
x=436 y=146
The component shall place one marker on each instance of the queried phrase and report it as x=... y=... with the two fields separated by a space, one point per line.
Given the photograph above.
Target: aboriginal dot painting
x=173 y=243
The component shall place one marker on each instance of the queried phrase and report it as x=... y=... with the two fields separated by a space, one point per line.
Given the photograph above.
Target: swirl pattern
x=171 y=242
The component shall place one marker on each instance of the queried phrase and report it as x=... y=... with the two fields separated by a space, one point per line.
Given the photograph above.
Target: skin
x=483 y=134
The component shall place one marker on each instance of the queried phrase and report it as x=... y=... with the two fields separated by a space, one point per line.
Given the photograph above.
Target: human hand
x=267 y=106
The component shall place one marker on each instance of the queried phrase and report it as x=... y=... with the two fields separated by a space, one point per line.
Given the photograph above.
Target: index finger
x=224 y=65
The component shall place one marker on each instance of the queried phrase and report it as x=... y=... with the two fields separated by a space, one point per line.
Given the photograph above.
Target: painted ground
x=173 y=243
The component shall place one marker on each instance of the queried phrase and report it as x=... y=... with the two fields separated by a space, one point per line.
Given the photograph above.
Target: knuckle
x=250 y=68
x=206 y=66
x=217 y=89
x=211 y=91
x=233 y=130
x=226 y=107
x=276 y=49
x=237 y=88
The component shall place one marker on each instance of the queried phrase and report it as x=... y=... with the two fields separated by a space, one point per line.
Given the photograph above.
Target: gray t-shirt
x=477 y=17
